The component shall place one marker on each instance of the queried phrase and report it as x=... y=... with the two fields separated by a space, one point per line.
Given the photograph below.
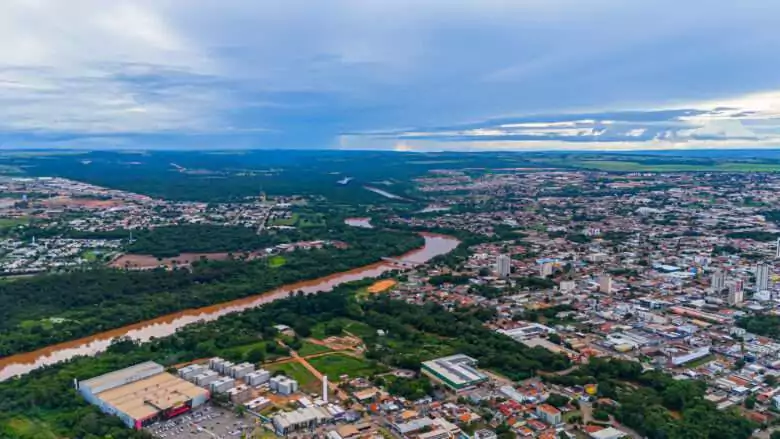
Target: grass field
x=360 y=329
x=310 y=348
x=27 y=428
x=8 y=223
x=276 y=261
x=307 y=381
x=340 y=364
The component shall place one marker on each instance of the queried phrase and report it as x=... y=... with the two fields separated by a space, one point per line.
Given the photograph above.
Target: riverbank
x=20 y=364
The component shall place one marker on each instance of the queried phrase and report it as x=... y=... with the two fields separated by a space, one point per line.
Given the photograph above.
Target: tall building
x=718 y=281
x=605 y=284
x=736 y=296
x=762 y=277
x=503 y=263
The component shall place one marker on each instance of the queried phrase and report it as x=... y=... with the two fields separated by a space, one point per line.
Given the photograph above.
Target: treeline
x=171 y=241
x=755 y=235
x=763 y=324
x=91 y=301
x=648 y=409
x=409 y=328
x=46 y=396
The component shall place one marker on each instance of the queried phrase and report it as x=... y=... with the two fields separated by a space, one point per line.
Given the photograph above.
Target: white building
x=503 y=265
x=762 y=277
x=718 y=281
x=605 y=284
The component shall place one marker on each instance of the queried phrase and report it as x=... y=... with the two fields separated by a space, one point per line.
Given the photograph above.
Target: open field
x=276 y=261
x=310 y=348
x=359 y=329
x=8 y=223
x=337 y=364
x=381 y=285
x=139 y=261
x=298 y=372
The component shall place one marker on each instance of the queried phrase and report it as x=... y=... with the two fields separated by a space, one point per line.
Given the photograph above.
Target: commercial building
x=142 y=394
x=458 y=372
x=301 y=419
x=503 y=265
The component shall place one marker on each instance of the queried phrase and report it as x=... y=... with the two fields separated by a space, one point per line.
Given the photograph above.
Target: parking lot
x=207 y=422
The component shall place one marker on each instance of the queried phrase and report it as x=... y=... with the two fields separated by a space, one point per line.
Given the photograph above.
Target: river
x=163 y=326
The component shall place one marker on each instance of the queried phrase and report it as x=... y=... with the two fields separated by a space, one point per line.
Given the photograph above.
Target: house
x=548 y=414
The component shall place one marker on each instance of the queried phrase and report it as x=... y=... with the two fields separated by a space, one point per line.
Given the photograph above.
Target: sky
x=400 y=75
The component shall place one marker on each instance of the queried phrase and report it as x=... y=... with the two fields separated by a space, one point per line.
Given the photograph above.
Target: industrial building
x=142 y=394
x=301 y=419
x=458 y=372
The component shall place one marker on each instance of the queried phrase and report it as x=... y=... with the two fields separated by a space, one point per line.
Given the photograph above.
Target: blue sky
x=403 y=75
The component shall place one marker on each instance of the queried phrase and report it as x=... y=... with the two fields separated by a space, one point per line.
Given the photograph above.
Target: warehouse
x=142 y=394
x=458 y=372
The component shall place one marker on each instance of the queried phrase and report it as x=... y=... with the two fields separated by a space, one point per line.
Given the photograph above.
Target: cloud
x=376 y=74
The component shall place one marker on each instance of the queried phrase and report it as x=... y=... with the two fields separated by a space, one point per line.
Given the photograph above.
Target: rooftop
x=144 y=398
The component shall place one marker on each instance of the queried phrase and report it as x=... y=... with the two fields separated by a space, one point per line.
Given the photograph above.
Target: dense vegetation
x=648 y=408
x=765 y=324
x=97 y=300
x=46 y=396
x=196 y=238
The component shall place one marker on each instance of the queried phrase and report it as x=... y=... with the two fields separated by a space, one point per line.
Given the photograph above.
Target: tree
x=775 y=435
x=750 y=402
x=255 y=355
x=770 y=380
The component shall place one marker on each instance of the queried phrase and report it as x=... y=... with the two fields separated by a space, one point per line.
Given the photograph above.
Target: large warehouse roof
x=149 y=396
x=123 y=376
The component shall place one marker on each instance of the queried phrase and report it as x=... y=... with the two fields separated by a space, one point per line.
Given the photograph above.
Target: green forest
x=45 y=398
x=648 y=402
x=47 y=309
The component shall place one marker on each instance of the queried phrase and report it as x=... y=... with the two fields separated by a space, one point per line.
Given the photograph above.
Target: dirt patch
x=381 y=285
x=87 y=203
x=141 y=262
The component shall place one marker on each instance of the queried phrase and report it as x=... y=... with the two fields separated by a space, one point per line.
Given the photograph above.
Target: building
x=222 y=385
x=258 y=377
x=608 y=433
x=283 y=385
x=605 y=284
x=458 y=372
x=567 y=286
x=777 y=249
x=142 y=394
x=548 y=414
x=736 y=292
x=762 y=277
x=301 y=419
x=503 y=265
x=718 y=281
x=190 y=372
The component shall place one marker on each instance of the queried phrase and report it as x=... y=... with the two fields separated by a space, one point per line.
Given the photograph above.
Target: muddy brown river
x=20 y=364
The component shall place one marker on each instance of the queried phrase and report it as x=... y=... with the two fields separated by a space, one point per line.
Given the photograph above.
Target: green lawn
x=340 y=364
x=310 y=348
x=8 y=223
x=360 y=329
x=296 y=371
x=276 y=261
